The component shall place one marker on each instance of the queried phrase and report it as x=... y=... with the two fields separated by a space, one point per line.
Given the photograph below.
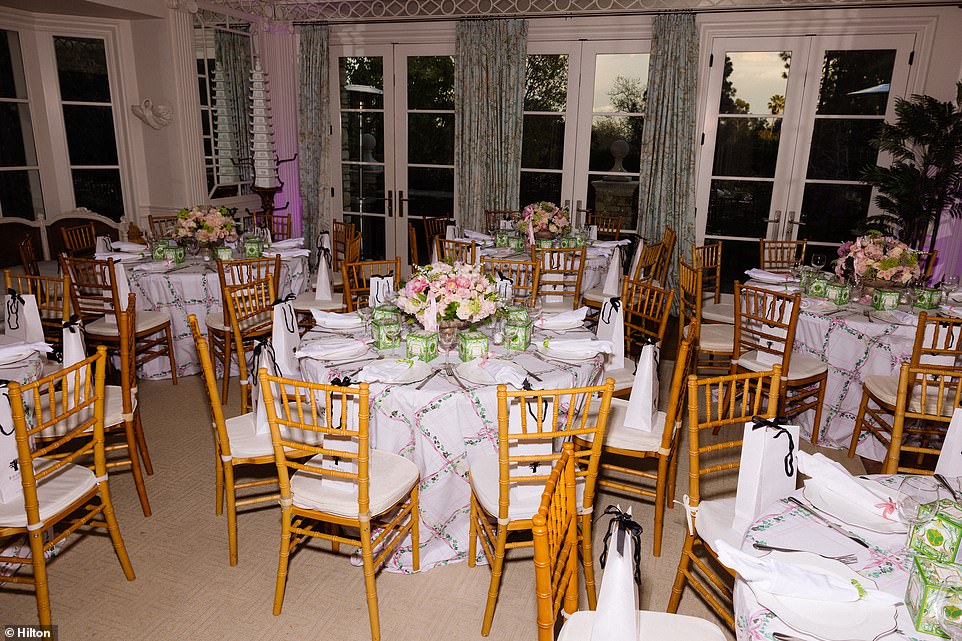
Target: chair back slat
x=708 y=259
x=781 y=255
x=455 y=251
x=435 y=226
x=28 y=257
x=413 y=258
x=93 y=286
x=648 y=261
x=53 y=299
x=938 y=341
x=161 y=226
x=609 y=227
x=79 y=239
x=523 y=274
x=249 y=307
x=247 y=270
x=765 y=323
x=560 y=272
x=342 y=232
x=689 y=300
x=493 y=217
x=646 y=308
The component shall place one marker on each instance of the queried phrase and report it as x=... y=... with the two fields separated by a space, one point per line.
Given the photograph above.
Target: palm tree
x=924 y=180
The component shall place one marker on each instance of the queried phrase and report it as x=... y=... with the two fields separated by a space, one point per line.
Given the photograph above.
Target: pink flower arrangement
x=874 y=256
x=458 y=292
x=544 y=216
x=205 y=225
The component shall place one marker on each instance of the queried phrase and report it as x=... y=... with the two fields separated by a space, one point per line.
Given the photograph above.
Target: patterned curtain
x=489 y=90
x=667 y=192
x=313 y=139
x=232 y=60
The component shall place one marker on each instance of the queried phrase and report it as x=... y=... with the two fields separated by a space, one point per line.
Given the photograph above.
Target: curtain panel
x=667 y=191
x=313 y=137
x=489 y=90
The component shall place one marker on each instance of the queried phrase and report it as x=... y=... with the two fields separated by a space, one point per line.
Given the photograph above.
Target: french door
x=787 y=133
x=393 y=115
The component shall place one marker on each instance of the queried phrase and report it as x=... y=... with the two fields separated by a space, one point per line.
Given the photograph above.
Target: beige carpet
x=186 y=590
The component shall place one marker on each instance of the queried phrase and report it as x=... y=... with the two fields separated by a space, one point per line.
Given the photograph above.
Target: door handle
x=400 y=203
x=793 y=222
x=777 y=218
x=390 y=203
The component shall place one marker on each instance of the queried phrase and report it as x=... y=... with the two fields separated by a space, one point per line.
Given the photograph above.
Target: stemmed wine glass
x=915 y=492
x=818 y=261
x=950 y=284
x=948 y=607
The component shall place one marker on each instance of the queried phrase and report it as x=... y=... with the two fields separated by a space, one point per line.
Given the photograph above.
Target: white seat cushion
x=113 y=411
x=714 y=521
x=114 y=405
x=523 y=501
x=715 y=338
x=624 y=377
x=54 y=493
x=802 y=365
x=885 y=388
x=392 y=478
x=305 y=301
x=627 y=438
x=244 y=443
x=145 y=321
x=659 y=626
x=595 y=295
x=719 y=312
x=216 y=322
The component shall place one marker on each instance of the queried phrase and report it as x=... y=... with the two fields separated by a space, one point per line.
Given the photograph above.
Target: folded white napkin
x=476 y=235
x=329 y=348
x=290 y=243
x=287 y=254
x=151 y=267
x=124 y=246
x=767 y=276
x=578 y=345
x=952 y=310
x=23 y=348
x=503 y=373
x=386 y=371
x=903 y=318
x=562 y=320
x=610 y=243
x=785 y=579
x=334 y=320
x=118 y=257
x=831 y=475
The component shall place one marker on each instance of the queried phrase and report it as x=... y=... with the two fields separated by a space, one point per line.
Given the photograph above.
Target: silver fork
x=449 y=373
x=847 y=559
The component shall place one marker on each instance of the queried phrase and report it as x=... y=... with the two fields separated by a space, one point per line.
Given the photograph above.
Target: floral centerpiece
x=543 y=220
x=206 y=226
x=443 y=292
x=876 y=257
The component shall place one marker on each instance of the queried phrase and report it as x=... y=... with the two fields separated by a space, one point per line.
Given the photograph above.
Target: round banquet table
x=192 y=288
x=788 y=526
x=443 y=428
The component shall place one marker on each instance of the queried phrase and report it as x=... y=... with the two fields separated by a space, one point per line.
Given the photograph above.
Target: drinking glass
x=818 y=261
x=950 y=284
x=948 y=607
x=913 y=493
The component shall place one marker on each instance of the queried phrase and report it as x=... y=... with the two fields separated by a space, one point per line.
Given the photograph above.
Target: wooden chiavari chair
x=455 y=251
x=249 y=308
x=413 y=259
x=435 y=226
x=161 y=226
x=342 y=232
x=609 y=227
x=780 y=255
x=523 y=275
x=764 y=334
x=58 y=490
x=559 y=275
x=661 y=270
x=714 y=341
x=357 y=279
x=79 y=240
x=938 y=342
x=646 y=308
x=278 y=224
x=497 y=511
x=648 y=261
x=708 y=260
x=53 y=299
x=94 y=297
x=927 y=398
x=493 y=217
x=386 y=495
x=718 y=409
x=220 y=334
x=28 y=257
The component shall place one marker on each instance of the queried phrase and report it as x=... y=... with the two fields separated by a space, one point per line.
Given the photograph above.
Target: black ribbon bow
x=611 y=306
x=73 y=325
x=262 y=347
x=629 y=527
x=290 y=316
x=14 y=305
x=502 y=277
x=6 y=430
x=775 y=424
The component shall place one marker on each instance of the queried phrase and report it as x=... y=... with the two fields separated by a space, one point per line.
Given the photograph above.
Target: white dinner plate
x=563 y=327
x=15 y=356
x=340 y=356
x=346 y=322
x=474 y=372
x=829 y=620
x=567 y=356
x=883 y=316
x=850 y=512
x=817 y=305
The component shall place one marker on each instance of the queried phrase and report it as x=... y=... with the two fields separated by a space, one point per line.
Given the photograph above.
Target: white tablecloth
x=442 y=428
x=193 y=289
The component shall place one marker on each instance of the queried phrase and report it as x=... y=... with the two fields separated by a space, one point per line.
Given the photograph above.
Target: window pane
x=82 y=69
x=362 y=136
x=12 y=83
x=372 y=233
x=546 y=83
x=543 y=142
x=739 y=255
x=20 y=193
x=856 y=82
x=537 y=186
x=431 y=138
x=608 y=130
x=739 y=208
x=431 y=82
x=841 y=149
x=363 y=187
x=431 y=191
x=90 y=135
x=16 y=136
x=755 y=82
x=833 y=213
x=747 y=146
x=362 y=83
x=621 y=82
x=99 y=191
x=612 y=197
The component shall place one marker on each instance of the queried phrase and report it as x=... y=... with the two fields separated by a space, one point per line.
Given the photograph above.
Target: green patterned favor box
x=472 y=345
x=544 y=243
x=517 y=335
x=516 y=243
x=927 y=297
x=386 y=334
x=818 y=286
x=253 y=248
x=885 y=299
x=175 y=254
x=387 y=312
x=223 y=252
x=838 y=293
x=502 y=238
x=422 y=345
x=923 y=590
x=940 y=538
x=158 y=251
x=516 y=314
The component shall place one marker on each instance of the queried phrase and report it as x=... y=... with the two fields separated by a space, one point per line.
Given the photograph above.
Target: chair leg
x=415 y=533
x=859 y=418
x=231 y=512
x=587 y=561
x=680 y=575
x=660 y=485
x=672 y=476
x=497 y=567
x=228 y=349
x=370 y=587
x=820 y=398
x=40 y=576
x=138 y=474
x=218 y=484
x=113 y=528
x=282 y=561
x=473 y=535
x=142 y=443
x=170 y=354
